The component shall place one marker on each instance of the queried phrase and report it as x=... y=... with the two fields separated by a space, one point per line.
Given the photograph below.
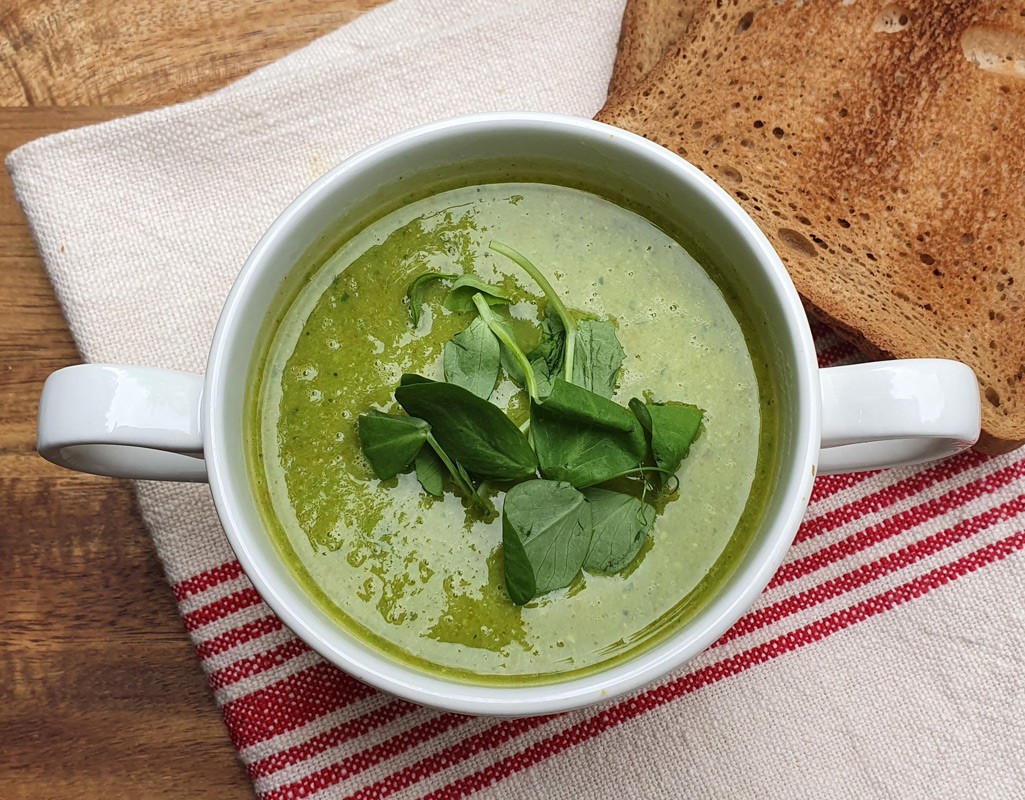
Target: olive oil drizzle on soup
x=422 y=578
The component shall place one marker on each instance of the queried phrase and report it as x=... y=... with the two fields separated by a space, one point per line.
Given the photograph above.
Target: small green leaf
x=583 y=438
x=621 y=524
x=674 y=427
x=430 y=471
x=391 y=441
x=417 y=290
x=548 y=357
x=473 y=432
x=471 y=359
x=599 y=357
x=584 y=406
x=507 y=342
x=546 y=534
x=411 y=379
x=641 y=412
x=459 y=476
x=545 y=359
x=460 y=296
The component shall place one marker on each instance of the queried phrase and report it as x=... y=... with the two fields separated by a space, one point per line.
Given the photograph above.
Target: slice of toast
x=881 y=148
x=650 y=28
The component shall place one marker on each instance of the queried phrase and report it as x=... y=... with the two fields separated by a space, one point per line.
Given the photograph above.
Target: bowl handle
x=893 y=413
x=123 y=421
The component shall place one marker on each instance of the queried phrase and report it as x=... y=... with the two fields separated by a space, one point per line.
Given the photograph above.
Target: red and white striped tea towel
x=887 y=658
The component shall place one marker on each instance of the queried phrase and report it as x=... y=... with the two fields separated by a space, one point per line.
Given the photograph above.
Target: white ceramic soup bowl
x=148 y=423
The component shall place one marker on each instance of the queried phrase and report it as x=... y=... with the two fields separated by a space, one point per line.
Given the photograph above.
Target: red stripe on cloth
x=828 y=485
x=833 y=354
x=221 y=608
x=202 y=581
x=337 y=735
x=223 y=642
x=661 y=695
x=965 y=529
x=254 y=665
x=887 y=496
x=347 y=768
x=820 y=330
x=291 y=703
x=896 y=524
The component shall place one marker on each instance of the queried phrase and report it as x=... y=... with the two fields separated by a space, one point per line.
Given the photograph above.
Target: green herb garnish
x=620 y=526
x=417 y=290
x=599 y=356
x=460 y=296
x=546 y=535
x=391 y=441
x=430 y=471
x=673 y=428
x=471 y=359
x=568 y=323
x=473 y=432
x=556 y=521
x=583 y=438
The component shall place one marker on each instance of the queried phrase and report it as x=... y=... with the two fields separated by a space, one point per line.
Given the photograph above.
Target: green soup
x=422 y=578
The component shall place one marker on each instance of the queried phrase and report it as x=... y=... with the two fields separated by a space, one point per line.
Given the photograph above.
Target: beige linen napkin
x=886 y=659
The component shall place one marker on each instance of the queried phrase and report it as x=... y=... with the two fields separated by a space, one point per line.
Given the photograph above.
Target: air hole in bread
x=745 y=21
x=993 y=396
x=926 y=259
x=892 y=19
x=797 y=241
x=995 y=50
x=731 y=173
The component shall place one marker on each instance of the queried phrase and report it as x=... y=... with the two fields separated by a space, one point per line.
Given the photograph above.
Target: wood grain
x=120 y=52
x=102 y=694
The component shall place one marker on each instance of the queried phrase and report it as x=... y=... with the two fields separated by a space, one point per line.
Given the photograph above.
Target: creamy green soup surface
x=422 y=578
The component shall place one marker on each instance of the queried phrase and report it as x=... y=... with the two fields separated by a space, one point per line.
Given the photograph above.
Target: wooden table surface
x=100 y=692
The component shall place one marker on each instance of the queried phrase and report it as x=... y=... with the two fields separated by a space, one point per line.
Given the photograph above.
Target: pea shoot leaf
x=460 y=296
x=673 y=427
x=430 y=471
x=391 y=441
x=471 y=359
x=598 y=358
x=546 y=535
x=472 y=431
x=417 y=290
x=620 y=523
x=546 y=359
x=583 y=438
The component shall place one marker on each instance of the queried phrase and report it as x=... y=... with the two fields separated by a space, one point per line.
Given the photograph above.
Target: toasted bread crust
x=882 y=161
